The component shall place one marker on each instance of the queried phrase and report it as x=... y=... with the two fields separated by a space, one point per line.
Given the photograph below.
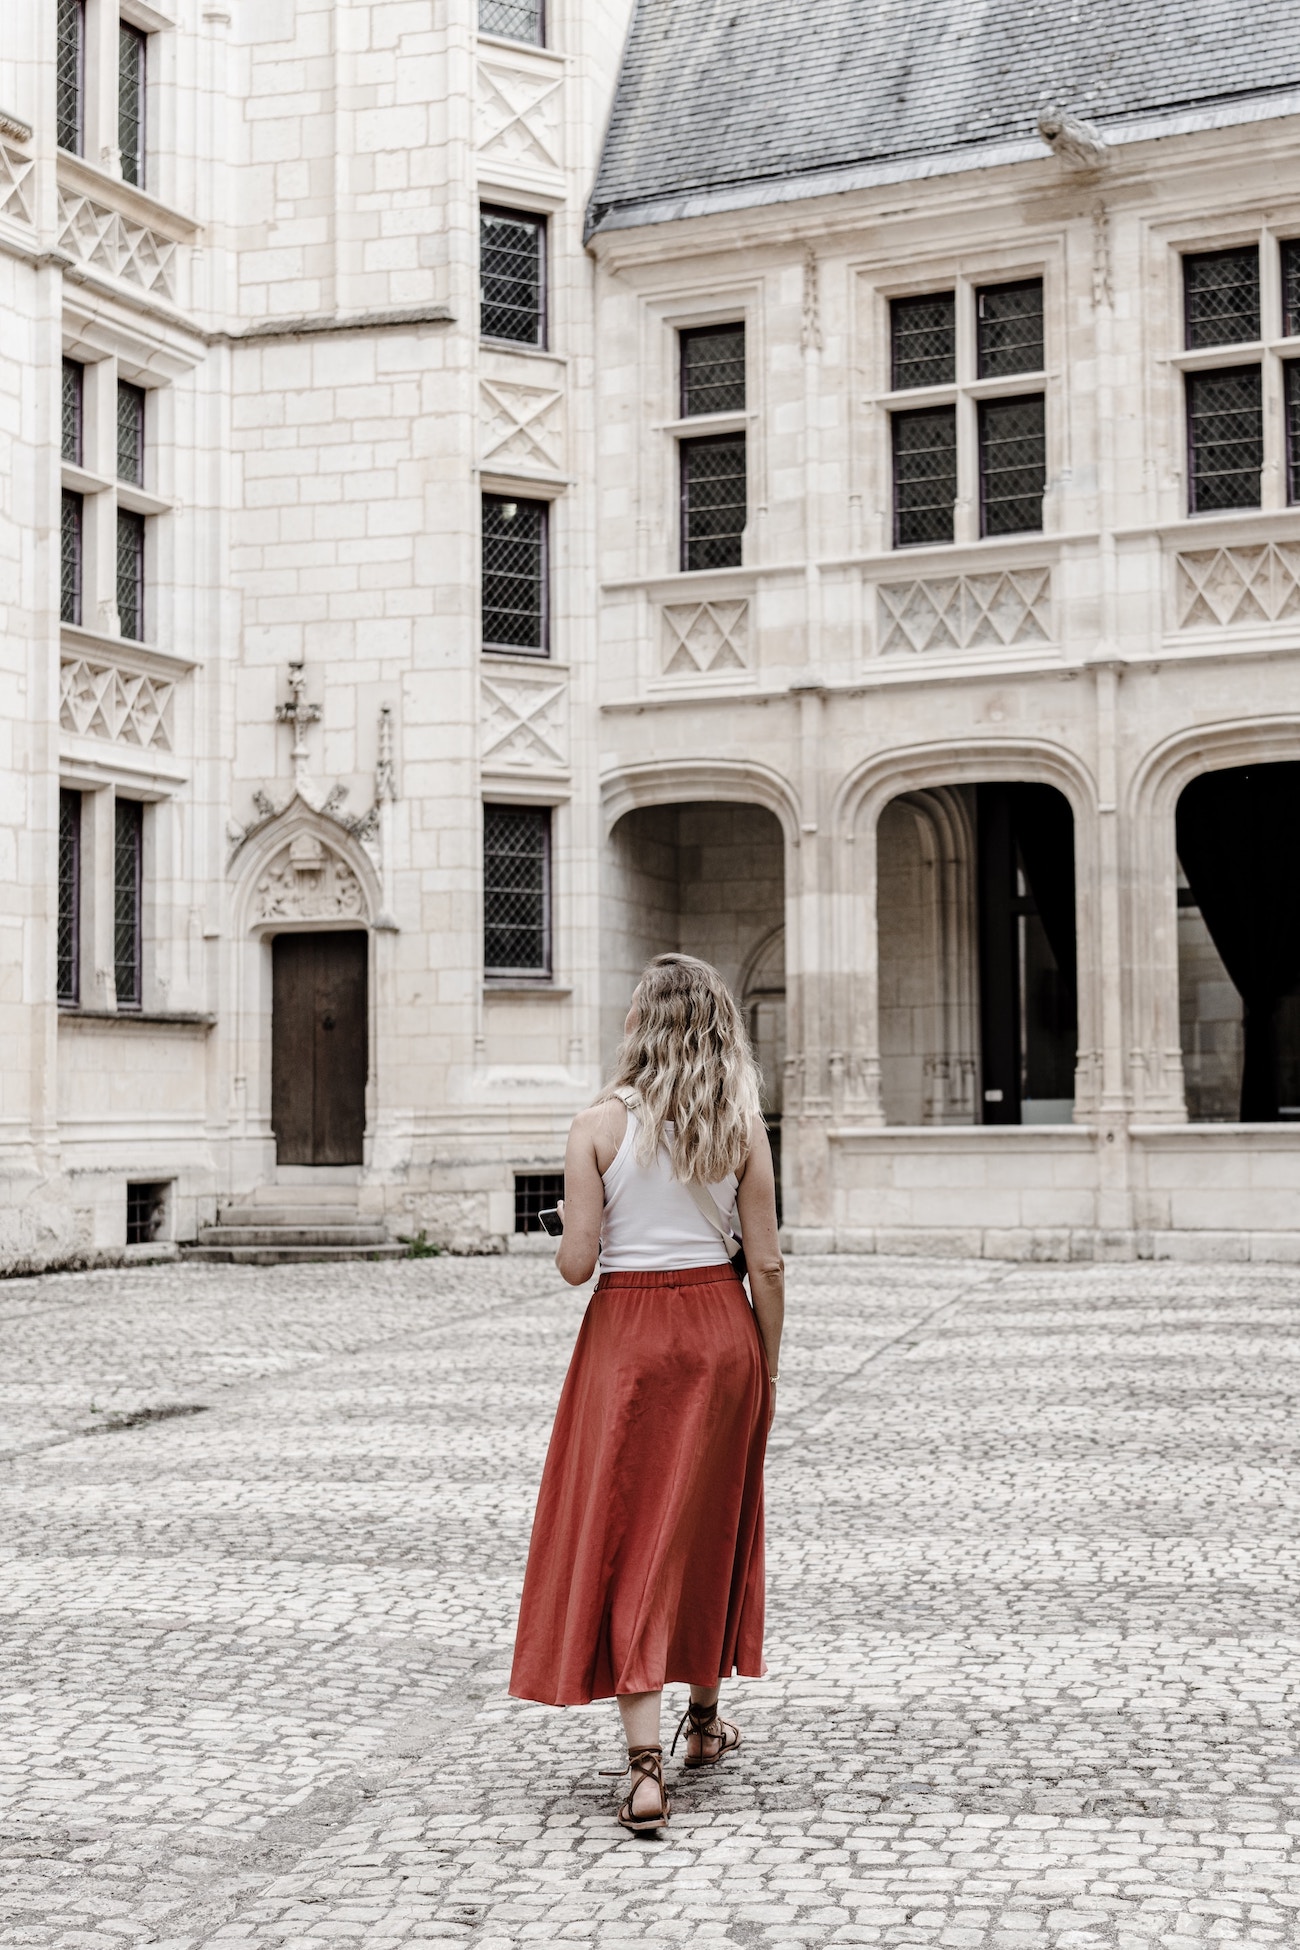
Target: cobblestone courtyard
x=1032 y=1632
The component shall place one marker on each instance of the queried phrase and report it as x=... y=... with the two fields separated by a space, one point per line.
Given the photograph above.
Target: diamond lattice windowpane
x=714 y=501
x=130 y=102
x=1291 y=288
x=70 y=69
x=925 y=475
x=70 y=560
x=514 y=574
x=713 y=370
x=1225 y=423
x=69 y=922
x=923 y=340
x=1013 y=464
x=512 y=271
x=130 y=573
x=130 y=433
x=73 y=398
x=1222 y=297
x=1009 y=328
x=128 y=854
x=1293 y=430
x=513 y=20
x=516 y=890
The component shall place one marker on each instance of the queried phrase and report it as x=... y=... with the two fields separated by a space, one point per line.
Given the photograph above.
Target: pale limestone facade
x=771 y=764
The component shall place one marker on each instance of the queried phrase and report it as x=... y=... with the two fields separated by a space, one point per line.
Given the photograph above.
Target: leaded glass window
x=74 y=391
x=1291 y=288
x=1221 y=290
x=1293 y=430
x=131 y=45
x=1225 y=437
x=513 y=20
x=130 y=573
x=130 y=433
x=70 y=68
x=714 y=499
x=925 y=475
x=923 y=340
x=713 y=369
x=70 y=560
x=1009 y=328
x=512 y=250
x=1013 y=464
x=69 y=912
x=515 y=574
x=517 y=890
x=128 y=890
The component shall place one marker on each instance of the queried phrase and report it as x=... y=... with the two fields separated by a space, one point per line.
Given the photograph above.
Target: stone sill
x=524 y=988
x=150 y=1018
x=84 y=179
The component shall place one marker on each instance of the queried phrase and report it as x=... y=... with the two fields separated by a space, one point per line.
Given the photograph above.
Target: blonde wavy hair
x=687 y=1056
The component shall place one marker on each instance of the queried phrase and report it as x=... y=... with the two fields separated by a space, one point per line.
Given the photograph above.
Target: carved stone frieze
x=706 y=637
x=517 y=116
x=521 y=426
x=103 y=700
x=1219 y=588
x=16 y=185
x=525 y=720
x=110 y=242
x=1007 y=607
x=308 y=881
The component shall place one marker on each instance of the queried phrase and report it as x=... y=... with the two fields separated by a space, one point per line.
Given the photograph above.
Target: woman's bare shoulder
x=600 y=1119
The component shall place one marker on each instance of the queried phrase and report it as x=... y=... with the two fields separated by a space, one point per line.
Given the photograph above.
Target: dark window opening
x=923 y=341
x=130 y=433
x=146 y=1211
x=130 y=573
x=1225 y=438
x=517 y=890
x=713 y=369
x=1013 y=464
x=925 y=475
x=1293 y=431
x=714 y=501
x=1009 y=328
x=513 y=20
x=1221 y=297
x=535 y=1191
x=512 y=250
x=131 y=45
x=74 y=391
x=515 y=575
x=1028 y=983
x=1291 y=288
x=70 y=559
x=69 y=909
x=128 y=902
x=70 y=68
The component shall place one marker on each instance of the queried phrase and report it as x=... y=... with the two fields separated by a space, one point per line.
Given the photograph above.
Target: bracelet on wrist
x=774 y=1377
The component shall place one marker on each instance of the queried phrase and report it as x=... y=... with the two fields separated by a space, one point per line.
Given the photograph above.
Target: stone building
x=496 y=490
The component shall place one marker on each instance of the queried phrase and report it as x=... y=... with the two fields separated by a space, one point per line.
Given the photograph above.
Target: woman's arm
x=594 y=1138
x=756 y=1205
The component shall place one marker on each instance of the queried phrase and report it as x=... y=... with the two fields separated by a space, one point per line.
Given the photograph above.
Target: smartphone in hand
x=550 y=1221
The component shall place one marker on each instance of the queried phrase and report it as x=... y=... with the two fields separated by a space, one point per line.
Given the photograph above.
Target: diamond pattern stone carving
x=522 y=426
x=1219 y=587
x=127 y=706
x=525 y=720
x=517 y=116
x=700 y=638
x=16 y=185
x=966 y=612
x=115 y=244
x=308 y=882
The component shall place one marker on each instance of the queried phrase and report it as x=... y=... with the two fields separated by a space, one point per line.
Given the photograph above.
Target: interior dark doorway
x=319 y=1048
x=1027 y=953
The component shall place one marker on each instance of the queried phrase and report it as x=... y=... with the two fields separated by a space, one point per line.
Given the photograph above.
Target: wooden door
x=319 y=1048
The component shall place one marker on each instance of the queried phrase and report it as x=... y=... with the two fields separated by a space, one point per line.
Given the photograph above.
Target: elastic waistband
x=723 y=1275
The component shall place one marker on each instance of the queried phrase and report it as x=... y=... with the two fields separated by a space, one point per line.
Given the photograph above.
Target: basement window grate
x=535 y=1191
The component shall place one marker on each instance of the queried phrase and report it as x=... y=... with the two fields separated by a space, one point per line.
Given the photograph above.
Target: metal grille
x=1225 y=437
x=1221 y=290
x=146 y=1208
x=130 y=433
x=70 y=560
x=925 y=475
x=516 y=890
x=69 y=923
x=714 y=501
x=1293 y=431
x=73 y=401
x=1009 y=328
x=514 y=574
x=923 y=341
x=713 y=369
x=130 y=101
x=1291 y=288
x=69 y=70
x=536 y=1191
x=128 y=853
x=130 y=573
x=1013 y=464
x=513 y=20
x=512 y=251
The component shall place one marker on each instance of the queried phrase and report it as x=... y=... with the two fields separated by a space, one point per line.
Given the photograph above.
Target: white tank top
x=651 y=1222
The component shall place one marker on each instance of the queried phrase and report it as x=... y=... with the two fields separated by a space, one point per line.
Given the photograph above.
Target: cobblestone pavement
x=1033 y=1618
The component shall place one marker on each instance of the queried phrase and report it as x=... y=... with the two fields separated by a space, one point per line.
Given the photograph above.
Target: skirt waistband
x=672 y=1276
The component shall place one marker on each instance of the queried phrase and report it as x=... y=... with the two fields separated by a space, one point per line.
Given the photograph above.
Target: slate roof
x=716 y=93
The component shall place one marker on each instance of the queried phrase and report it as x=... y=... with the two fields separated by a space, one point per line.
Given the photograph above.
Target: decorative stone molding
x=107 y=241
x=525 y=720
x=517 y=116
x=308 y=881
x=1010 y=607
x=105 y=701
x=1219 y=588
x=702 y=638
x=521 y=426
x=16 y=185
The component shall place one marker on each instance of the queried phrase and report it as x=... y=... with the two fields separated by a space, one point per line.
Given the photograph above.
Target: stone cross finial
x=299 y=714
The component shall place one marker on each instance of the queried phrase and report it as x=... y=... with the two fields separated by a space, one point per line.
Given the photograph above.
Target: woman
x=646 y=1561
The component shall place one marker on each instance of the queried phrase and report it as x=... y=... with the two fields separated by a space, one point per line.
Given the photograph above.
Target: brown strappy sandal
x=644 y=1764
x=704 y=1721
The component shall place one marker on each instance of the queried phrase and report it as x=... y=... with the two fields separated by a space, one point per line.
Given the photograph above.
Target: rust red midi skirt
x=646 y=1560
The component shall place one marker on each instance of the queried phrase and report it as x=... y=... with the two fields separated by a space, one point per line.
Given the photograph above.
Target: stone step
x=265 y=1234
x=298 y=1195
x=284 y=1255
x=290 y=1213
